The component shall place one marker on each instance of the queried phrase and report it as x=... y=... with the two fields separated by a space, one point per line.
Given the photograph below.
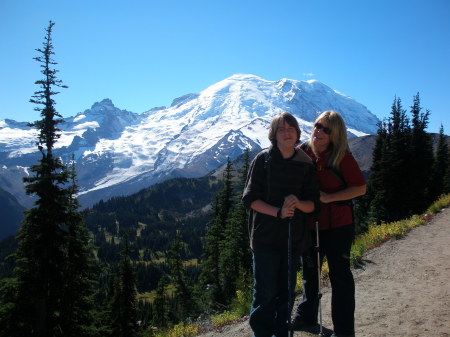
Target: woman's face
x=286 y=136
x=321 y=134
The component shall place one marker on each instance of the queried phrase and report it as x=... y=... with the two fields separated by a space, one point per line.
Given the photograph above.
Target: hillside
x=401 y=288
x=11 y=214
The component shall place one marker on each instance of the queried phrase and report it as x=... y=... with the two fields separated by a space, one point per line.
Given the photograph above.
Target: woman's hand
x=291 y=201
x=289 y=205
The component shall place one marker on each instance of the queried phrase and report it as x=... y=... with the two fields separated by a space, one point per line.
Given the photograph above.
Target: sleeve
x=351 y=171
x=254 y=186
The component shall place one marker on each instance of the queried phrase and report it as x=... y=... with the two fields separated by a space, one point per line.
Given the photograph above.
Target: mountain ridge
x=118 y=152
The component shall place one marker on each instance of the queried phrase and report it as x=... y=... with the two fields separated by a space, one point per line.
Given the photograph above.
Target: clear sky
x=143 y=54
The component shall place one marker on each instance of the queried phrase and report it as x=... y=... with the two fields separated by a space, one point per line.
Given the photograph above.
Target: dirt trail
x=402 y=288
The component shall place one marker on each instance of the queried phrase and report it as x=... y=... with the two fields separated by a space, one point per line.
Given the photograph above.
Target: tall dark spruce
x=441 y=171
x=53 y=282
x=235 y=258
x=210 y=268
x=185 y=305
x=421 y=159
x=123 y=302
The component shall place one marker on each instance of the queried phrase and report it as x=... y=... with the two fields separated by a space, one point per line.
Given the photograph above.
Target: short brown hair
x=279 y=119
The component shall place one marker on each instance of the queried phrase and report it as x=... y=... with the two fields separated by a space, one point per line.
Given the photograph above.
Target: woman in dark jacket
x=340 y=180
x=281 y=187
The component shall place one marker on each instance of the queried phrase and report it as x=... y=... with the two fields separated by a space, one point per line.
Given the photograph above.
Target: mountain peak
x=105 y=103
x=119 y=152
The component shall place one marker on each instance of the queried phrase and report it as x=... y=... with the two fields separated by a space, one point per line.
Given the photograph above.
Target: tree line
x=407 y=174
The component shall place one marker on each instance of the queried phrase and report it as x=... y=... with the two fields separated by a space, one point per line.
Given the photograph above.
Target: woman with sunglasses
x=340 y=180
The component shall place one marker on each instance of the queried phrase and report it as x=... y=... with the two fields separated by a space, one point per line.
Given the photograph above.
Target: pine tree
x=380 y=186
x=160 y=313
x=396 y=159
x=210 y=274
x=78 y=297
x=124 y=302
x=420 y=160
x=440 y=167
x=50 y=231
x=235 y=258
x=373 y=199
x=446 y=180
x=185 y=305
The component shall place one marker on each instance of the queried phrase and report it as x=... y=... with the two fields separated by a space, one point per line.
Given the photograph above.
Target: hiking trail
x=402 y=288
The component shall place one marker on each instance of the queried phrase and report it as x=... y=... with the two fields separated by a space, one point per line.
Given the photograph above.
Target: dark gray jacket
x=271 y=178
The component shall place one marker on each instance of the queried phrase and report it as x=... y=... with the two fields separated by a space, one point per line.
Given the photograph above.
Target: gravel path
x=402 y=288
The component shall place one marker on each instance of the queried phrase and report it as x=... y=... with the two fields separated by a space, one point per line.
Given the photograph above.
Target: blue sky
x=143 y=54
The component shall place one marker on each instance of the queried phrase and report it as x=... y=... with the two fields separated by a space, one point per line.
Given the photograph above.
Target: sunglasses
x=325 y=129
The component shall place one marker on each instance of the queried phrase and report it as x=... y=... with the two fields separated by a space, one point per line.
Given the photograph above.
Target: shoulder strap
x=304 y=146
x=267 y=161
x=337 y=174
x=301 y=156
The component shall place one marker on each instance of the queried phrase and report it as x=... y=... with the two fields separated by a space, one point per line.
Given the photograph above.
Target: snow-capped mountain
x=118 y=152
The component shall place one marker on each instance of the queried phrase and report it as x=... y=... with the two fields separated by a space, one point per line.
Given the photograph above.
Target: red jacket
x=333 y=215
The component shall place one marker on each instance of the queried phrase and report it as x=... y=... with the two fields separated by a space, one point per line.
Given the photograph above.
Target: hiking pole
x=319 y=294
x=290 y=330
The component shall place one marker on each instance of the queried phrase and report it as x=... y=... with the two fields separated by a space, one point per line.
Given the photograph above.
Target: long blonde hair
x=338 y=138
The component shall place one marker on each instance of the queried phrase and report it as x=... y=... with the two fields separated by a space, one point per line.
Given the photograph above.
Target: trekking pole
x=290 y=330
x=317 y=247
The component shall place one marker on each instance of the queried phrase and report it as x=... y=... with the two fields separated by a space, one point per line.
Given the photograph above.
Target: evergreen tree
x=370 y=207
x=78 y=295
x=397 y=163
x=446 y=182
x=160 y=305
x=185 y=305
x=420 y=161
x=235 y=258
x=440 y=167
x=210 y=274
x=52 y=233
x=124 y=303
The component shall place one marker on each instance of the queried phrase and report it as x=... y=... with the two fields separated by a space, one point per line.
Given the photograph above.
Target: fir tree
x=235 y=258
x=440 y=166
x=375 y=199
x=78 y=296
x=418 y=191
x=210 y=275
x=51 y=234
x=446 y=180
x=185 y=305
x=396 y=160
x=160 y=314
x=124 y=303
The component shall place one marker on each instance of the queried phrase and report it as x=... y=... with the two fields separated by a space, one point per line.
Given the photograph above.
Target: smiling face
x=286 y=136
x=321 y=137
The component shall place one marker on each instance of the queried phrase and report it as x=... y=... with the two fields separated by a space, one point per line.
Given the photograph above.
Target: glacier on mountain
x=118 y=152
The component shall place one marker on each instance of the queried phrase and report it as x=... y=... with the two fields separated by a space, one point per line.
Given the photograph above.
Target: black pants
x=335 y=245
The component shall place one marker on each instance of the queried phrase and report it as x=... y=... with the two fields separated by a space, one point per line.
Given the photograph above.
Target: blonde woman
x=340 y=180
